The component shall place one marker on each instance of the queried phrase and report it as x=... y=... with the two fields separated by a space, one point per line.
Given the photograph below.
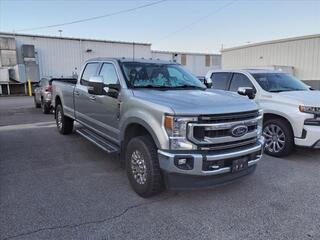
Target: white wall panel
x=301 y=53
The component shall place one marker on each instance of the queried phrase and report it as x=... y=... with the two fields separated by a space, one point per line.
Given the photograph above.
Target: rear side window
x=89 y=71
x=240 y=80
x=220 y=80
x=109 y=74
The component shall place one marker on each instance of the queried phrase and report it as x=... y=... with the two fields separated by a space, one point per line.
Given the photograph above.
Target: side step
x=97 y=140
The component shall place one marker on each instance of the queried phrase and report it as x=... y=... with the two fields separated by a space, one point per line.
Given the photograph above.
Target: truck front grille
x=215 y=132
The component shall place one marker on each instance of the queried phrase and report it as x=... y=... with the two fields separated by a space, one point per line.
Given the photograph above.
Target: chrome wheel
x=59 y=120
x=138 y=167
x=275 y=138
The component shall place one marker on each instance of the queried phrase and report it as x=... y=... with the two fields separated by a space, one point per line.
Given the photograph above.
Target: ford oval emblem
x=239 y=131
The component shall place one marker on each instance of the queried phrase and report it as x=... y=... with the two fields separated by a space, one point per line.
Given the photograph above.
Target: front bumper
x=203 y=159
x=311 y=137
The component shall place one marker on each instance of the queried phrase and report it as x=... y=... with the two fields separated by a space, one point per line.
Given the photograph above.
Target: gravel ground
x=64 y=187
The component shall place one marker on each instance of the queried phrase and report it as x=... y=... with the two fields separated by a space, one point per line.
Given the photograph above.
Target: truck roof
x=250 y=70
x=139 y=60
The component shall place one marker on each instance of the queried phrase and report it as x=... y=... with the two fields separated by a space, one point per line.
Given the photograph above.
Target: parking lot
x=64 y=187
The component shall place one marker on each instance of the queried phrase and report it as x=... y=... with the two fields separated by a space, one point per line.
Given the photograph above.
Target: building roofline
x=70 y=38
x=272 y=42
x=189 y=53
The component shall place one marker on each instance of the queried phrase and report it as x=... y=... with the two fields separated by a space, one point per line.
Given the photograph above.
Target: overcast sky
x=197 y=26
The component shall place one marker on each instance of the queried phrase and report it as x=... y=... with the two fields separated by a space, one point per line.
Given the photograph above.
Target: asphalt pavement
x=63 y=187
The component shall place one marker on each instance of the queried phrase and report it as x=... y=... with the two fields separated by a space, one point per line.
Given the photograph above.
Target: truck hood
x=197 y=102
x=308 y=98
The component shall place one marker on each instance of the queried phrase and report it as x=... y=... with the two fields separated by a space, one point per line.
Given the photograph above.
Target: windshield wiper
x=150 y=86
x=190 y=86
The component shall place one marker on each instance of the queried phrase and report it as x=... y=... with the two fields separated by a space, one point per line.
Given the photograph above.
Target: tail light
x=48 y=89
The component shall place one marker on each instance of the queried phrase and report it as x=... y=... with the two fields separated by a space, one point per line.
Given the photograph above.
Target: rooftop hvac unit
x=18 y=73
x=28 y=51
x=7 y=43
x=8 y=58
x=4 y=75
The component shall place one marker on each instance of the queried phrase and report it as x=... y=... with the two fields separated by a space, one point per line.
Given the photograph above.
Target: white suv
x=291 y=108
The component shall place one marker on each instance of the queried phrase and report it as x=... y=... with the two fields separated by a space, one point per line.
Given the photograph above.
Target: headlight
x=260 y=122
x=309 y=109
x=176 y=128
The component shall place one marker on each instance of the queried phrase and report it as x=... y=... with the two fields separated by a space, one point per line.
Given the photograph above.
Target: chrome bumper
x=166 y=160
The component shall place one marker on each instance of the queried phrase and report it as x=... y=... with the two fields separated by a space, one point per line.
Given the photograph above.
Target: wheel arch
x=268 y=116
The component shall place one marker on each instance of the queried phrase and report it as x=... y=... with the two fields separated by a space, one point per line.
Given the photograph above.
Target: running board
x=98 y=141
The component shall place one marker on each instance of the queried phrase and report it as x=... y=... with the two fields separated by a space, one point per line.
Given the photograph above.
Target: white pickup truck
x=291 y=108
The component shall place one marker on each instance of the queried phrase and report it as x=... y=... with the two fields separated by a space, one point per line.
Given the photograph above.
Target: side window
x=89 y=71
x=220 y=80
x=109 y=74
x=240 y=80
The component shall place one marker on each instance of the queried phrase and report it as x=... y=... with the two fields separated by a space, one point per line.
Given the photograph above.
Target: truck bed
x=63 y=89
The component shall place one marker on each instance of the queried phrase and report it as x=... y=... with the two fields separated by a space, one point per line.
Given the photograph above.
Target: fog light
x=184 y=162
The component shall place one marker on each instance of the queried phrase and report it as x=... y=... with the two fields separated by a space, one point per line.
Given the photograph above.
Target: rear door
x=106 y=108
x=83 y=101
x=220 y=80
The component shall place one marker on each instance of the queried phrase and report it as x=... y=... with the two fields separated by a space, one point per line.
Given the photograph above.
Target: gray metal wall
x=61 y=56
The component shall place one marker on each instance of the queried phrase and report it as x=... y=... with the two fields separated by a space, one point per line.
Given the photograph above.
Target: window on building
x=109 y=74
x=208 y=60
x=239 y=80
x=220 y=80
x=89 y=71
x=183 y=59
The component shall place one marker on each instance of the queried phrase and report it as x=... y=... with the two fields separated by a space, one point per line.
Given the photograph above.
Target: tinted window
x=109 y=74
x=279 y=82
x=239 y=80
x=89 y=71
x=220 y=80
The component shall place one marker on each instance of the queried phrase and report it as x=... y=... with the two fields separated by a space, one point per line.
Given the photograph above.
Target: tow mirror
x=208 y=82
x=95 y=85
x=112 y=90
x=247 y=91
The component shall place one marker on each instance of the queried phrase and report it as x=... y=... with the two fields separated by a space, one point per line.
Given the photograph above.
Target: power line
x=200 y=19
x=94 y=18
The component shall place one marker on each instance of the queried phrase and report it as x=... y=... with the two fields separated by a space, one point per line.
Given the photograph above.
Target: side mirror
x=95 y=85
x=208 y=82
x=310 y=88
x=247 y=91
x=112 y=90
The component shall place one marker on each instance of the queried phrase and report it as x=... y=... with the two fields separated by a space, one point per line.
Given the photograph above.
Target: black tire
x=37 y=105
x=287 y=142
x=45 y=107
x=153 y=183
x=66 y=124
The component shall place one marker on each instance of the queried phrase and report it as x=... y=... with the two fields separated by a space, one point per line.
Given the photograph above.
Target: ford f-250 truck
x=169 y=129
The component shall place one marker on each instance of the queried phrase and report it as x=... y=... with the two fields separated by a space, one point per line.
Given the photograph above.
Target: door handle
x=76 y=93
x=93 y=98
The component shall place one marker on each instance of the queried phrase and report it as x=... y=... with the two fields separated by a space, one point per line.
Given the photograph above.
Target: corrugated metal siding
x=60 y=57
x=302 y=54
x=195 y=62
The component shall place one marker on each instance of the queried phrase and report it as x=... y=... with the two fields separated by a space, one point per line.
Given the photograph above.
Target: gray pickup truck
x=168 y=128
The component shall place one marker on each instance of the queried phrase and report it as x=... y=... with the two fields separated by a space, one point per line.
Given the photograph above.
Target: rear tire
x=142 y=166
x=64 y=123
x=45 y=107
x=37 y=105
x=279 y=137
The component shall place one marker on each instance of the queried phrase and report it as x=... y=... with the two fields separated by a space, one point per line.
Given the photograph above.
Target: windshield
x=153 y=75
x=279 y=82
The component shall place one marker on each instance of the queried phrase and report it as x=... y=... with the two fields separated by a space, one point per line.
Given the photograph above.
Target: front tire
x=142 y=166
x=279 y=137
x=64 y=123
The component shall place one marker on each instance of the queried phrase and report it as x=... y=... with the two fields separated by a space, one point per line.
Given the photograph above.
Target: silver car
x=43 y=93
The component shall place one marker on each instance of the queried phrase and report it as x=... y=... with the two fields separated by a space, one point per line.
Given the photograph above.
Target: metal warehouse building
x=30 y=57
x=299 y=56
